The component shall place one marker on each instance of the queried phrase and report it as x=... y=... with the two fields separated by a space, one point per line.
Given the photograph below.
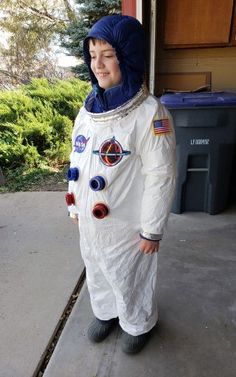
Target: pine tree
x=30 y=27
x=89 y=11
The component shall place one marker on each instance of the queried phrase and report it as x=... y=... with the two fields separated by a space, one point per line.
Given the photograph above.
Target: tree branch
x=69 y=10
x=39 y=13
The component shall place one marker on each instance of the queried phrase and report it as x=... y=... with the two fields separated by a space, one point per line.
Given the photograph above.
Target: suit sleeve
x=157 y=152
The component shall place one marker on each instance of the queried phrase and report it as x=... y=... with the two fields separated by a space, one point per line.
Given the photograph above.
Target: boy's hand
x=149 y=247
x=74 y=218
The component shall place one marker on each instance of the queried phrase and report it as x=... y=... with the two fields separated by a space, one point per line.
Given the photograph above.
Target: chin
x=104 y=86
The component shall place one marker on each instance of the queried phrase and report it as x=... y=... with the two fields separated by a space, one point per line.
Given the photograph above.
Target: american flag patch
x=161 y=126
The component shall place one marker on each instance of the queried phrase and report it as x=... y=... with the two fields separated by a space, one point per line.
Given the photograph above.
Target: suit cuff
x=150 y=236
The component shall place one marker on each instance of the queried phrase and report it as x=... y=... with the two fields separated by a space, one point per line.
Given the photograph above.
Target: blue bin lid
x=186 y=100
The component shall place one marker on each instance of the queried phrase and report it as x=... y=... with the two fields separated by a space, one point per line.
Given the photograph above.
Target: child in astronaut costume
x=121 y=182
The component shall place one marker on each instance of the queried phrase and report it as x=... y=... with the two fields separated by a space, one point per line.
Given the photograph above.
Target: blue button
x=97 y=183
x=73 y=174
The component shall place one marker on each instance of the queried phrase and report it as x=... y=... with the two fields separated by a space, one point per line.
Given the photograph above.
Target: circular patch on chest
x=111 y=152
x=80 y=143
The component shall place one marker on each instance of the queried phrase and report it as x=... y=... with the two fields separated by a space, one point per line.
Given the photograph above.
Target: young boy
x=121 y=182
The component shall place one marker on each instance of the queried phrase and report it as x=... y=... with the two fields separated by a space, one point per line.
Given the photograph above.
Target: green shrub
x=66 y=97
x=12 y=156
x=37 y=130
x=5 y=112
x=61 y=127
x=36 y=122
x=16 y=103
x=10 y=133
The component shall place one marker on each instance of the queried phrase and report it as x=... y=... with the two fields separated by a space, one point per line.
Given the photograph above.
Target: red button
x=100 y=211
x=70 y=199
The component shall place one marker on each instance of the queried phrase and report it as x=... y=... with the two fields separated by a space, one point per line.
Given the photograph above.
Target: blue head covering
x=126 y=36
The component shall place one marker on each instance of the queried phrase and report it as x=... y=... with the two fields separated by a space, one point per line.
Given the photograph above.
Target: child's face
x=104 y=64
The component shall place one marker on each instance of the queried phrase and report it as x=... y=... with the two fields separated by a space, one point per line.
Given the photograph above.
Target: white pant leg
x=135 y=289
x=102 y=298
x=122 y=281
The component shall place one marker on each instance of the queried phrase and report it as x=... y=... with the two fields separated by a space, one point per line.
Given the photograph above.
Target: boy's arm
x=157 y=151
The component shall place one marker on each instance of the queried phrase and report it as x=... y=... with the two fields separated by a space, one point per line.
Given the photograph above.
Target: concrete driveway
x=196 y=333
x=41 y=264
x=39 y=267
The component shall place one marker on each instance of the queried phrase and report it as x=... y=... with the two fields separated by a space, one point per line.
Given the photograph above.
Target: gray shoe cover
x=134 y=344
x=99 y=330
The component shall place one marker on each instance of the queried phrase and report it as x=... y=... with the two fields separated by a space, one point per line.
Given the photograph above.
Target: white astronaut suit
x=121 y=185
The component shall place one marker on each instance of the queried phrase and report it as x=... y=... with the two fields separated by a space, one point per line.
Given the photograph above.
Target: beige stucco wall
x=221 y=62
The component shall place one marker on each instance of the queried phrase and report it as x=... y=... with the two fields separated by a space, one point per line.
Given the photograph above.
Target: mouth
x=102 y=74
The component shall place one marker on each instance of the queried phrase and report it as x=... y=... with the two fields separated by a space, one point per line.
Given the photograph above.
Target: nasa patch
x=80 y=143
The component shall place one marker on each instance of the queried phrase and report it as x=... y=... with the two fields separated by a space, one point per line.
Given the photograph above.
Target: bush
x=36 y=123
x=66 y=97
x=12 y=155
x=16 y=103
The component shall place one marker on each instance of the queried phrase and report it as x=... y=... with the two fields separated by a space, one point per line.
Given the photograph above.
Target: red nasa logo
x=111 y=152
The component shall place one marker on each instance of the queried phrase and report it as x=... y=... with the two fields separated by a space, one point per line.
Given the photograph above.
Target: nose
x=99 y=62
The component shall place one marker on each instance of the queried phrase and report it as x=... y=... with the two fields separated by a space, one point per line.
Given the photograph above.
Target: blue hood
x=125 y=34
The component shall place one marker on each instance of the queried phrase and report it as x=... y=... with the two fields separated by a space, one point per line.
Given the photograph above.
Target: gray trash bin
x=205 y=126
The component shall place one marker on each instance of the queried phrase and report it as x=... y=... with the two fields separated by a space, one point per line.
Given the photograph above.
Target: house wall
x=221 y=62
x=128 y=7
